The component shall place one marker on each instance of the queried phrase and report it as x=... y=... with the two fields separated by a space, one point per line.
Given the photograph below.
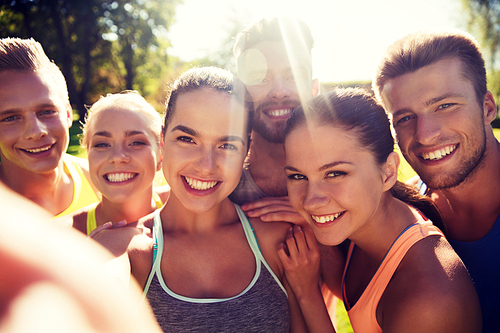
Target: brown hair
x=210 y=77
x=18 y=54
x=421 y=49
x=354 y=109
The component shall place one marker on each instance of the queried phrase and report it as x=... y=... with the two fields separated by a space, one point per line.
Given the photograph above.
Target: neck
x=177 y=218
x=267 y=163
x=130 y=210
x=377 y=236
x=49 y=190
x=471 y=208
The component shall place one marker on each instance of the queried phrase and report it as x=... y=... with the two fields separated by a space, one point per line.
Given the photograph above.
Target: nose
x=315 y=197
x=205 y=164
x=279 y=89
x=35 y=129
x=427 y=130
x=119 y=154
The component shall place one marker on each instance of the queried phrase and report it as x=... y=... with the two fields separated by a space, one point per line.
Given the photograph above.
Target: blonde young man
x=35 y=116
x=434 y=86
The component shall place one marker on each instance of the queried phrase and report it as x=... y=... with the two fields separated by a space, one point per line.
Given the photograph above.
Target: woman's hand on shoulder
x=273 y=209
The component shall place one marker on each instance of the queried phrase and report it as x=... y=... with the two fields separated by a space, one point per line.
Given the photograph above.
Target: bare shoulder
x=273 y=233
x=132 y=237
x=76 y=220
x=269 y=237
x=431 y=291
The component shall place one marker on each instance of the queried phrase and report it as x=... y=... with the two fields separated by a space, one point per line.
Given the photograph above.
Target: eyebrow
x=428 y=103
x=16 y=110
x=442 y=97
x=127 y=133
x=226 y=138
x=323 y=167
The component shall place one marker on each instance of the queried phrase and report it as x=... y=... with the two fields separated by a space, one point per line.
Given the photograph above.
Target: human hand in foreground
x=107 y=225
x=273 y=209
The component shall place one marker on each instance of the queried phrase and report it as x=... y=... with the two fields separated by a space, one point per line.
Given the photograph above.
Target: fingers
x=312 y=242
x=264 y=202
x=107 y=225
x=271 y=209
x=282 y=216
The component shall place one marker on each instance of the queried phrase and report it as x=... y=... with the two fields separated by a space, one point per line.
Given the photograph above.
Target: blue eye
x=229 y=146
x=446 y=105
x=47 y=112
x=10 y=119
x=403 y=120
x=100 y=145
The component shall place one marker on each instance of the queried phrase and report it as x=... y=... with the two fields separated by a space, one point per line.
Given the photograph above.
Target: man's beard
x=468 y=167
x=273 y=134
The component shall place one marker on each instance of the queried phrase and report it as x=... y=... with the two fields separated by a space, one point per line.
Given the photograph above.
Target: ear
x=390 y=169
x=315 y=87
x=69 y=114
x=489 y=108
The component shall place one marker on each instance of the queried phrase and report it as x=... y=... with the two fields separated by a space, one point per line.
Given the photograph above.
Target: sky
x=350 y=35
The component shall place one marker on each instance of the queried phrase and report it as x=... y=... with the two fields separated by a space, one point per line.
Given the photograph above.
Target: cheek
x=296 y=194
x=257 y=93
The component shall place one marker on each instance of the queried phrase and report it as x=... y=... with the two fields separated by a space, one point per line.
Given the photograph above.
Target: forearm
x=315 y=312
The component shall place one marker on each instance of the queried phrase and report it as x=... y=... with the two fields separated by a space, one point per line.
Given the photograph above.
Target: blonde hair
x=129 y=100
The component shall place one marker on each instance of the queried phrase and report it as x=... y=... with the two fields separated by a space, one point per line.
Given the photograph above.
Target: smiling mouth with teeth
x=327 y=218
x=439 y=153
x=280 y=112
x=200 y=185
x=119 y=177
x=37 y=150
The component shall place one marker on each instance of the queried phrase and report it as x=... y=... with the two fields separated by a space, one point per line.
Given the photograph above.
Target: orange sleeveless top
x=363 y=314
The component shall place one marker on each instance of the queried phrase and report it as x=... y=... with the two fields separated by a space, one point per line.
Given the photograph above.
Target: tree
x=484 y=22
x=100 y=45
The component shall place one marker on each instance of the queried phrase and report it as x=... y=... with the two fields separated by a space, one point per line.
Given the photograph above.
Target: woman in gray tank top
x=204 y=266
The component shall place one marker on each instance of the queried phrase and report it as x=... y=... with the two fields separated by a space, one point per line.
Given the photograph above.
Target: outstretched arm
x=301 y=259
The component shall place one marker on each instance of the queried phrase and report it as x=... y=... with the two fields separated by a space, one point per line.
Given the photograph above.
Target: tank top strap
x=363 y=312
x=254 y=244
x=157 y=249
x=91 y=220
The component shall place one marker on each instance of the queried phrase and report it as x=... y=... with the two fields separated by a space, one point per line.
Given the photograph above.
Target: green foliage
x=484 y=23
x=101 y=46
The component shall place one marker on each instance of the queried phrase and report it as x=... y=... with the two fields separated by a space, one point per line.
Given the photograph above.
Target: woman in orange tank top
x=401 y=274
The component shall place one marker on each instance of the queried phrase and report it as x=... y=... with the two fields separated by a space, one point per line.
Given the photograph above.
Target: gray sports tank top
x=261 y=307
